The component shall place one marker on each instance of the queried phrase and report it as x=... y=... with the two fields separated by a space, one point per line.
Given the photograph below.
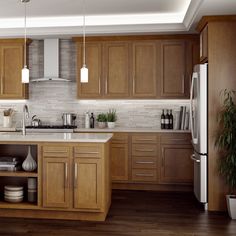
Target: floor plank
x=134 y=213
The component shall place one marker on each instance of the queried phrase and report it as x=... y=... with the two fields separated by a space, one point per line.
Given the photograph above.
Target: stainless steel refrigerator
x=198 y=126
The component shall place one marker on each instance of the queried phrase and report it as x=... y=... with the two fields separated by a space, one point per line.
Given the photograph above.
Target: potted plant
x=111 y=118
x=226 y=143
x=102 y=119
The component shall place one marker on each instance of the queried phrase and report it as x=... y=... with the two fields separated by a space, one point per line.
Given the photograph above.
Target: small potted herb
x=111 y=118
x=226 y=143
x=102 y=119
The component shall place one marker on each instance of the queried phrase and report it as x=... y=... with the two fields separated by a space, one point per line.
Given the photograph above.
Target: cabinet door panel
x=144 y=70
x=11 y=66
x=92 y=89
x=176 y=166
x=173 y=72
x=119 y=162
x=116 y=69
x=56 y=182
x=87 y=184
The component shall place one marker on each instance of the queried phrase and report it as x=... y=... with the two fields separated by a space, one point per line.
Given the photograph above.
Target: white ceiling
x=64 y=17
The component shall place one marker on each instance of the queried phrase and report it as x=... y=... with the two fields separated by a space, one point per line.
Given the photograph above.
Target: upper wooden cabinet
x=144 y=66
x=11 y=64
x=173 y=69
x=138 y=66
x=116 y=69
x=204 y=44
x=92 y=89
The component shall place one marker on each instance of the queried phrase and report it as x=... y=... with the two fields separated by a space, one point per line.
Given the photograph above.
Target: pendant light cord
x=84 y=65
x=25 y=38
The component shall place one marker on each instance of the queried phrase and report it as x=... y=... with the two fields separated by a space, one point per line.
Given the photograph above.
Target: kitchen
x=132 y=108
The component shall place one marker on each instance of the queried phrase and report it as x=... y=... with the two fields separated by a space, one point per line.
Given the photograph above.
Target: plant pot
x=231 y=205
x=101 y=125
x=111 y=125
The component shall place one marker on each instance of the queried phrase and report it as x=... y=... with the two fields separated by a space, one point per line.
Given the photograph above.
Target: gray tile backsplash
x=48 y=100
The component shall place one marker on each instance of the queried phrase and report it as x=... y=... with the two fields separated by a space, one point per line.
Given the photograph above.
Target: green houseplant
x=102 y=119
x=226 y=143
x=111 y=118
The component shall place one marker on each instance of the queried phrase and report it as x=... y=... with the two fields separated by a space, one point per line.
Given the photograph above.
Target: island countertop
x=56 y=137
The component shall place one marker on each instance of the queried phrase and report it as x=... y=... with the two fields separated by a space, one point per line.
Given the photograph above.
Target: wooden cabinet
x=204 y=45
x=56 y=174
x=119 y=158
x=11 y=64
x=144 y=152
x=76 y=177
x=176 y=165
x=92 y=89
x=174 y=76
x=144 y=66
x=116 y=69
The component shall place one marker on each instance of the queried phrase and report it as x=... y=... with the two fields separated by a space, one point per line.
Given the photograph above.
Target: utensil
x=68 y=118
x=35 y=121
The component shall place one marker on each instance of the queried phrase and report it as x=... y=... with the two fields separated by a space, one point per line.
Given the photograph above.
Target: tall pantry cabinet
x=218 y=48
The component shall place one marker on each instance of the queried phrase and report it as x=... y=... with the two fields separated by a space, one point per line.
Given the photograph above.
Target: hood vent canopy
x=51 y=62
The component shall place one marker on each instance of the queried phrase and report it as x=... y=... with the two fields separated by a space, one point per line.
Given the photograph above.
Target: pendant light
x=25 y=70
x=84 y=70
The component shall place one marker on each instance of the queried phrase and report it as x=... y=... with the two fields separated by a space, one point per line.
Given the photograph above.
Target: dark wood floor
x=135 y=213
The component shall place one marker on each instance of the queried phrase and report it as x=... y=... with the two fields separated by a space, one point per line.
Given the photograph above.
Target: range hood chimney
x=51 y=62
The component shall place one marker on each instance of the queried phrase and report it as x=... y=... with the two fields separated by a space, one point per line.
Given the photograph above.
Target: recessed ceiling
x=64 y=17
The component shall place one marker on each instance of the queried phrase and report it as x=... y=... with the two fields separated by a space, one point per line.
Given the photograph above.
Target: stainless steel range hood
x=51 y=62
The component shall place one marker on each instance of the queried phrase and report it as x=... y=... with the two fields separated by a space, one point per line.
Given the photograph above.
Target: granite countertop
x=55 y=137
x=130 y=130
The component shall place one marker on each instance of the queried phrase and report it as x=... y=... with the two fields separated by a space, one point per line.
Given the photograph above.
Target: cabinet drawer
x=120 y=138
x=176 y=139
x=56 y=151
x=144 y=162
x=144 y=175
x=144 y=150
x=88 y=150
x=144 y=138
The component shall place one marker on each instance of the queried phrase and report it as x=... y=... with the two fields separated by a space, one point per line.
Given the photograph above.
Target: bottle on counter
x=167 y=120
x=163 y=120
x=171 y=120
x=92 y=121
x=87 y=120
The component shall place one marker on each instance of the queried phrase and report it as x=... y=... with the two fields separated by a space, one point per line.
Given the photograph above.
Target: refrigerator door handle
x=194 y=158
x=194 y=76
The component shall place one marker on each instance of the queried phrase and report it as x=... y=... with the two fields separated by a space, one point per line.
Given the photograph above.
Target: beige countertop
x=55 y=137
x=130 y=130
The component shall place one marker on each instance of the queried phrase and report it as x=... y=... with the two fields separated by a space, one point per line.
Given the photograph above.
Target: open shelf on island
x=18 y=174
x=20 y=205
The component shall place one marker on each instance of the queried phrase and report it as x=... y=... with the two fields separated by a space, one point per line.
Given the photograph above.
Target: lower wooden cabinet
x=56 y=182
x=87 y=184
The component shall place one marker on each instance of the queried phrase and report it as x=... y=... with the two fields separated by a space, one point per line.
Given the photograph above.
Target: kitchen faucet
x=25 y=115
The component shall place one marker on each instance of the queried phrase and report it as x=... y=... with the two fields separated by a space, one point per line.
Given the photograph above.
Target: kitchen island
x=73 y=176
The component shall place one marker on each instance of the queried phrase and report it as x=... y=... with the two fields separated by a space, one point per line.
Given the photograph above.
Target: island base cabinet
x=55 y=182
x=87 y=184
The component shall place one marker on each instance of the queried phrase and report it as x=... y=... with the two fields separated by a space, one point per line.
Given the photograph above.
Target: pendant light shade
x=25 y=70
x=84 y=69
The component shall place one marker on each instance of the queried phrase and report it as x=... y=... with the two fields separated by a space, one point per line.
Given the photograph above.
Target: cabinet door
x=176 y=165
x=144 y=70
x=116 y=69
x=204 y=45
x=11 y=64
x=119 y=162
x=56 y=182
x=174 y=78
x=87 y=184
x=92 y=89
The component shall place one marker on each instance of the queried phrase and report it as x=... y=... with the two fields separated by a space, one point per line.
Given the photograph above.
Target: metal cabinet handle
x=144 y=150
x=76 y=175
x=144 y=162
x=145 y=175
x=99 y=84
x=66 y=175
x=145 y=139
x=193 y=157
x=106 y=86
